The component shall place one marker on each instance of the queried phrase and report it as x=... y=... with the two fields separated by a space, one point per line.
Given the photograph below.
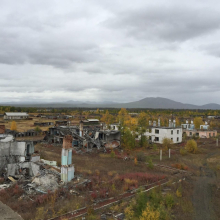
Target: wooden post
x=160 y=155
x=216 y=142
x=169 y=152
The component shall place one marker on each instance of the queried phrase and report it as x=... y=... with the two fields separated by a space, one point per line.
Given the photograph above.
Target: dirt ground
x=7 y=213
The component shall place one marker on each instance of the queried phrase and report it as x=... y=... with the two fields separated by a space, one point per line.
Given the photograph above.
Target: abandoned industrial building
x=15 y=115
x=87 y=135
x=203 y=132
x=156 y=133
x=43 y=124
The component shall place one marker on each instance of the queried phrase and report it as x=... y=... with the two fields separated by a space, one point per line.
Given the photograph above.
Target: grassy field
x=198 y=195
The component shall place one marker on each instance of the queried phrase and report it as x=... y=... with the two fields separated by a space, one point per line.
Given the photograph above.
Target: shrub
x=135 y=161
x=141 y=157
x=150 y=164
x=167 y=142
x=155 y=147
x=180 y=166
x=38 y=130
x=41 y=212
x=150 y=214
x=112 y=154
x=169 y=201
x=179 y=193
x=183 y=151
x=191 y=146
x=129 y=213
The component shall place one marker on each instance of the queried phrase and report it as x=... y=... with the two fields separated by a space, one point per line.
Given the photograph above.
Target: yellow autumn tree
x=177 y=121
x=167 y=143
x=123 y=116
x=191 y=146
x=150 y=214
x=197 y=122
x=107 y=118
x=13 y=126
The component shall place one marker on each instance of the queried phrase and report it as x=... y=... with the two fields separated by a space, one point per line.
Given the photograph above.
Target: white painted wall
x=174 y=134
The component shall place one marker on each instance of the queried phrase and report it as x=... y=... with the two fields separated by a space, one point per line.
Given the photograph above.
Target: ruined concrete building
x=43 y=124
x=27 y=133
x=87 y=136
x=67 y=168
x=15 y=156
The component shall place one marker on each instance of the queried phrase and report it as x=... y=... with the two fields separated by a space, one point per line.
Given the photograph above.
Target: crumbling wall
x=15 y=168
x=14 y=152
x=67 y=142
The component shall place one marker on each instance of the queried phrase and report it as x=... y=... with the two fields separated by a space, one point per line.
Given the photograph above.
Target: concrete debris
x=4 y=186
x=120 y=216
x=45 y=183
x=51 y=163
x=12 y=179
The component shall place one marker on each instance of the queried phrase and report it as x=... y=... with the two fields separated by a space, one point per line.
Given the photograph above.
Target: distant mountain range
x=151 y=103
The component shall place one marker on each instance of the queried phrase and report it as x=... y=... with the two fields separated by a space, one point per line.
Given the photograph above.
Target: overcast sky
x=110 y=50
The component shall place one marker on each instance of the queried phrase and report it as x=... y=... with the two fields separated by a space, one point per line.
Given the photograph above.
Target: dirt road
x=7 y=213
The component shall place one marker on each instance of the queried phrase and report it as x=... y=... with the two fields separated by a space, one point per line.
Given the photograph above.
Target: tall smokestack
x=150 y=123
x=174 y=123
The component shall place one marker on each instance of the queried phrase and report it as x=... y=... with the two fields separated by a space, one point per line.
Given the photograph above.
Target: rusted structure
x=2 y=129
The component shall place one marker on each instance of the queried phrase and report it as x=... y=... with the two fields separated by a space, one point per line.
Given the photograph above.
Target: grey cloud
x=109 y=50
x=211 y=49
x=170 y=23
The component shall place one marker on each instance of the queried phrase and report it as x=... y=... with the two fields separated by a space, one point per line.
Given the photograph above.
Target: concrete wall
x=11 y=152
x=175 y=134
x=201 y=133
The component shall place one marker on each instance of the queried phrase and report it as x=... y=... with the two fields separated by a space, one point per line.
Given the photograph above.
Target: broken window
x=177 y=139
x=156 y=138
x=177 y=131
x=171 y=131
x=156 y=131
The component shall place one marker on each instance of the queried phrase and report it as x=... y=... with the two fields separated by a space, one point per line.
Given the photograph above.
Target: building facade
x=157 y=134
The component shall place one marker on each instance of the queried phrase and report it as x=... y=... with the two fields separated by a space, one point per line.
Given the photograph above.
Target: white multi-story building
x=156 y=133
